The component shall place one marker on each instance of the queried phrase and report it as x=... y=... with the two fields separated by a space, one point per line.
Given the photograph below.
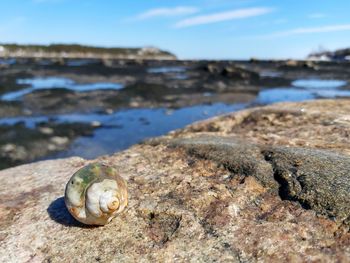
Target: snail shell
x=96 y=194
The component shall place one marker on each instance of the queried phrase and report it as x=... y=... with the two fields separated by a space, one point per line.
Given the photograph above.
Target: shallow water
x=56 y=82
x=124 y=128
x=128 y=127
x=270 y=73
x=174 y=69
x=269 y=96
x=8 y=61
x=304 y=89
x=318 y=83
x=80 y=62
x=177 y=72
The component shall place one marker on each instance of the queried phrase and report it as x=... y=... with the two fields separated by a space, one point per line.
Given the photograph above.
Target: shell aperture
x=95 y=194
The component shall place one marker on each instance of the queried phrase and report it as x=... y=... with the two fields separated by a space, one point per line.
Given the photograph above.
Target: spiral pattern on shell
x=95 y=194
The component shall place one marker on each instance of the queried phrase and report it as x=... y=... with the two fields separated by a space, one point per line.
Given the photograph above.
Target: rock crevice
x=317 y=179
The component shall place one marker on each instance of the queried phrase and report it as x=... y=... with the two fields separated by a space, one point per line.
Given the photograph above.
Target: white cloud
x=222 y=16
x=316 y=15
x=311 y=30
x=166 y=12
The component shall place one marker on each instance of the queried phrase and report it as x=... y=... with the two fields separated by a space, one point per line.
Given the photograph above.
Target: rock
x=96 y=124
x=291 y=63
x=295 y=64
x=231 y=71
x=317 y=179
x=21 y=144
x=212 y=68
x=14 y=152
x=59 y=140
x=237 y=73
x=109 y=111
x=9 y=147
x=262 y=185
x=46 y=130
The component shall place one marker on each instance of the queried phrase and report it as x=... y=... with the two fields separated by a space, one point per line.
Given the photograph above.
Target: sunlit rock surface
x=266 y=184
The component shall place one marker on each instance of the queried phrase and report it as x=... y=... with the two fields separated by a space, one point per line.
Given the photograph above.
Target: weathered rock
x=318 y=179
x=188 y=204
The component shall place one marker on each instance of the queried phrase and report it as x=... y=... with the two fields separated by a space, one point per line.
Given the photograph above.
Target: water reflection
x=304 y=89
x=120 y=130
x=283 y=94
x=318 y=83
x=127 y=127
x=173 y=69
x=56 y=82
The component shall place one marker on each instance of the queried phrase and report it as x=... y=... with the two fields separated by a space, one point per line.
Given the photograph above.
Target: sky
x=191 y=29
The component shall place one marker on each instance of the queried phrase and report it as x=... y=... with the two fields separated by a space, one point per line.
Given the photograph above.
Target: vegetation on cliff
x=75 y=50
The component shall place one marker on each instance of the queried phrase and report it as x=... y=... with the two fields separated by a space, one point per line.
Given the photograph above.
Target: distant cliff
x=338 y=55
x=79 y=51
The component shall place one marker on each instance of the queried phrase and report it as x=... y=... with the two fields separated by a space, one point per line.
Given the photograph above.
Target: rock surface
x=265 y=184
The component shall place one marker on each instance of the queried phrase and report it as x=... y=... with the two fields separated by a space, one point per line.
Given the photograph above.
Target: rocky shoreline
x=103 y=88
x=267 y=184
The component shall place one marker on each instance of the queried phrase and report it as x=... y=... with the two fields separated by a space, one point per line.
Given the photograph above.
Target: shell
x=95 y=194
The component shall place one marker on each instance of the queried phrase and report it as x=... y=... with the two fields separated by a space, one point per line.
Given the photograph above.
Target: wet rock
x=46 y=130
x=109 y=111
x=291 y=63
x=294 y=64
x=21 y=144
x=59 y=140
x=16 y=153
x=8 y=148
x=96 y=124
x=230 y=71
x=10 y=109
x=211 y=68
x=239 y=74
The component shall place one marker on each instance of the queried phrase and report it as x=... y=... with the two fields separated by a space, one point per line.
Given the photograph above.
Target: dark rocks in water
x=147 y=91
x=297 y=65
x=317 y=179
x=11 y=108
x=192 y=83
x=211 y=68
x=230 y=71
x=237 y=73
x=226 y=81
x=20 y=144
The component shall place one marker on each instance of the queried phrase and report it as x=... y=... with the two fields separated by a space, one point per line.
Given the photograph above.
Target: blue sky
x=213 y=29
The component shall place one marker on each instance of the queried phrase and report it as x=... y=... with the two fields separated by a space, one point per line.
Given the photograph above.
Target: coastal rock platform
x=266 y=184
